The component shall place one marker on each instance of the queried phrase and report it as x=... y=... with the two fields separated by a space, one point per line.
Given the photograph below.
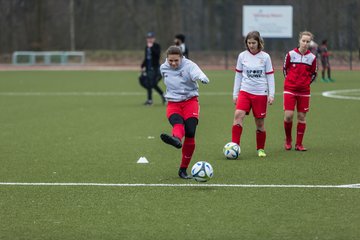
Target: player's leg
x=289 y=106
x=243 y=106
x=177 y=122
x=177 y=131
x=191 y=114
x=188 y=146
x=259 y=107
x=330 y=79
x=288 y=122
x=174 y=114
x=300 y=131
x=260 y=136
x=323 y=69
x=302 y=109
x=237 y=127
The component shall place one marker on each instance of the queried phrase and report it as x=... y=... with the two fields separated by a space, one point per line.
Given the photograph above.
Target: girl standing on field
x=300 y=71
x=254 y=88
x=180 y=77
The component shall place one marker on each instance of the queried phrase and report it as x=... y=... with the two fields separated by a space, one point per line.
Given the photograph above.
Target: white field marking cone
x=142 y=160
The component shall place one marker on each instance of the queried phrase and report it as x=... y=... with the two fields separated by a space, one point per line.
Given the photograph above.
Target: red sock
x=288 y=128
x=187 y=151
x=178 y=131
x=236 y=133
x=260 y=139
x=300 y=133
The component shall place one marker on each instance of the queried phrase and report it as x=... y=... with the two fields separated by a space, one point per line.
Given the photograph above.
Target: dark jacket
x=186 y=52
x=155 y=56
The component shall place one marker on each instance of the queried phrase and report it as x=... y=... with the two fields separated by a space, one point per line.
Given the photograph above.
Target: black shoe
x=183 y=174
x=148 y=103
x=174 y=141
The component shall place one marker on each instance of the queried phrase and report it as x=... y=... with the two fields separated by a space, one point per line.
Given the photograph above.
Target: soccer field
x=70 y=140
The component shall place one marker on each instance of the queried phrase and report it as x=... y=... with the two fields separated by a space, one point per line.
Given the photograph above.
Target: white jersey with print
x=254 y=74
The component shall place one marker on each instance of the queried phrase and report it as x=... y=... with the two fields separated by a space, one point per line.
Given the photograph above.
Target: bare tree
x=214 y=25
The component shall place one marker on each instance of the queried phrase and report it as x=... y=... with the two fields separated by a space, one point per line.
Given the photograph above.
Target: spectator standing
x=151 y=68
x=180 y=42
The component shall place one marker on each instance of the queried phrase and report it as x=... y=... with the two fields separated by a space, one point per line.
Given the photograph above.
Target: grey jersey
x=181 y=83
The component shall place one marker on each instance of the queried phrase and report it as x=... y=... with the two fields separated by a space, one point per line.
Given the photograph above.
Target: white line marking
x=351 y=185
x=71 y=93
x=179 y=185
x=94 y=93
x=338 y=94
x=105 y=94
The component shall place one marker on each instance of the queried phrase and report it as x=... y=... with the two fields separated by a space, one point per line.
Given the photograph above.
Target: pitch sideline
x=347 y=186
x=338 y=94
x=110 y=94
x=331 y=94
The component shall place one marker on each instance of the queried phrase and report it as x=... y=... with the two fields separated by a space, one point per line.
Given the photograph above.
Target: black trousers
x=154 y=78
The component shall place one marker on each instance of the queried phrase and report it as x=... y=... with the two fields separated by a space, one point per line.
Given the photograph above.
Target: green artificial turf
x=91 y=127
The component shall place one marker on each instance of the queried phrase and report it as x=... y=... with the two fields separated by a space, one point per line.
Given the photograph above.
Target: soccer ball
x=202 y=171
x=231 y=150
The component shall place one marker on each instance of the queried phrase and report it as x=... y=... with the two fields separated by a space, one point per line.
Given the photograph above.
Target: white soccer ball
x=202 y=171
x=231 y=150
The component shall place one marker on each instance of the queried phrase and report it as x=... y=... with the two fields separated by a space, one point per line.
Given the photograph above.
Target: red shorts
x=186 y=109
x=247 y=101
x=302 y=102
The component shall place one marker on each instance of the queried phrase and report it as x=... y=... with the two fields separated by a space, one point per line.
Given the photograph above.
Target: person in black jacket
x=151 y=68
x=180 y=42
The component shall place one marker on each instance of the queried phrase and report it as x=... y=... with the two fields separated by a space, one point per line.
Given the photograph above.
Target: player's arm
x=237 y=84
x=162 y=70
x=271 y=83
x=238 y=77
x=198 y=75
x=270 y=80
x=286 y=64
x=313 y=71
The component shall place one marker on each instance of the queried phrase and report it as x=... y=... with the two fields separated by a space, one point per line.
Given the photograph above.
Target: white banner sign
x=270 y=21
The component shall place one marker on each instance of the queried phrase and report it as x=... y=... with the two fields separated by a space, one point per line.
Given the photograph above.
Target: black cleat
x=174 y=141
x=148 y=103
x=183 y=174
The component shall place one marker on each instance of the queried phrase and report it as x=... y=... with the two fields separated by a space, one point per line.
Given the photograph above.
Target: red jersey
x=299 y=71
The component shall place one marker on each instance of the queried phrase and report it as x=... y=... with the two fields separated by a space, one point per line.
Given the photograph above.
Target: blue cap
x=150 y=35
